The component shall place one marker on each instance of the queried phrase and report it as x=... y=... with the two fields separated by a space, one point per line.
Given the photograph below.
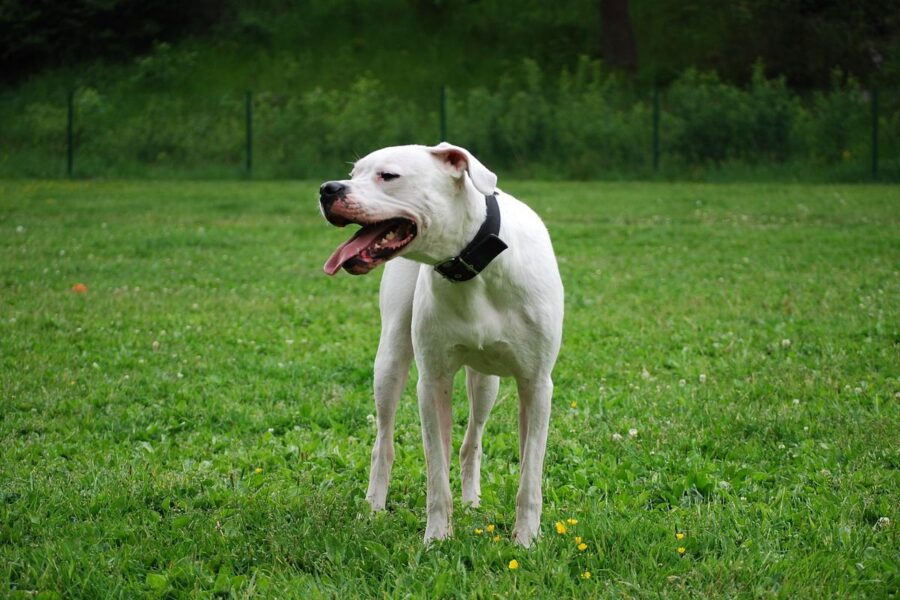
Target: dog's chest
x=495 y=358
x=476 y=330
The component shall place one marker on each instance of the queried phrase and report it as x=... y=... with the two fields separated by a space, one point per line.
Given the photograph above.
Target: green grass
x=748 y=333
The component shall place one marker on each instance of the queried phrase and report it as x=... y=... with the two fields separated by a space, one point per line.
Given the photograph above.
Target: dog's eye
x=388 y=176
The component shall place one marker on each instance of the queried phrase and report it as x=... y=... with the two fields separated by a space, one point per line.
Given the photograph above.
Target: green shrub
x=585 y=123
x=595 y=131
x=835 y=127
x=771 y=113
x=710 y=116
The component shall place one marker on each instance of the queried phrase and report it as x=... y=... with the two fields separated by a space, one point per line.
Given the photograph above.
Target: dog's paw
x=377 y=504
x=471 y=501
x=525 y=537
x=376 y=496
x=433 y=534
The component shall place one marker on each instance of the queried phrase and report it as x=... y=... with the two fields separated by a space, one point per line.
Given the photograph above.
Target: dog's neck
x=449 y=238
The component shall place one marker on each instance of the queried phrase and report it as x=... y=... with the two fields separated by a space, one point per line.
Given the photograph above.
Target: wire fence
x=588 y=133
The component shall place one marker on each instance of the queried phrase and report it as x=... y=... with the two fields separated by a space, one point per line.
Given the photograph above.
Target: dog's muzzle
x=329 y=193
x=376 y=242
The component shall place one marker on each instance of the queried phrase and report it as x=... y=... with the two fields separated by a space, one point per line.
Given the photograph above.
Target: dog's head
x=408 y=200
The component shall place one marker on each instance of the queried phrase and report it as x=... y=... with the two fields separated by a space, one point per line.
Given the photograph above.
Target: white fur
x=507 y=321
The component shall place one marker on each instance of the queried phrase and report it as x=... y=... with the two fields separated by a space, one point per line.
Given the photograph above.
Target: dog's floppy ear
x=458 y=160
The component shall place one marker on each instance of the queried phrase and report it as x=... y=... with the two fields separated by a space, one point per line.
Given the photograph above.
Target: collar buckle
x=479 y=253
x=456 y=269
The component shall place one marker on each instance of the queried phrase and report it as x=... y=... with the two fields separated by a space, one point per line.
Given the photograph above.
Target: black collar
x=483 y=248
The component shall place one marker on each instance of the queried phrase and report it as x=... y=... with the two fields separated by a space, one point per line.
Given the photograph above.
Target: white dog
x=477 y=286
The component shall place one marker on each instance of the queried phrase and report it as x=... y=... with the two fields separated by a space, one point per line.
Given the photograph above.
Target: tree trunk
x=617 y=45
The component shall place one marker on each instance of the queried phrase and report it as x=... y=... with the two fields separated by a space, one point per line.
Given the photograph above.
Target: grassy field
x=198 y=421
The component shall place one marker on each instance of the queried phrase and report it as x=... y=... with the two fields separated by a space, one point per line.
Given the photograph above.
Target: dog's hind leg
x=395 y=353
x=482 y=391
x=534 y=420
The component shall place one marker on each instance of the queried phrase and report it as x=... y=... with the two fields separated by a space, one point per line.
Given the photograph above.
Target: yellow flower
x=560 y=528
x=577 y=539
x=258 y=470
x=496 y=538
x=679 y=536
x=586 y=575
x=574 y=404
x=479 y=531
x=572 y=521
x=681 y=549
x=582 y=546
x=490 y=529
x=513 y=565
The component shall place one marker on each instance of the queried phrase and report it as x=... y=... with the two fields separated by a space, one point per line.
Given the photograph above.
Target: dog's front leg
x=391 y=371
x=435 y=413
x=534 y=421
x=395 y=354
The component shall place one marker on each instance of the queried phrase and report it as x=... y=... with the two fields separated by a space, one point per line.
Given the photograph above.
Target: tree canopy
x=802 y=40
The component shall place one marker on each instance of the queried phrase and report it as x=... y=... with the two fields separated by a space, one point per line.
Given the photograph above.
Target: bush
x=834 y=128
x=709 y=116
x=597 y=131
x=586 y=124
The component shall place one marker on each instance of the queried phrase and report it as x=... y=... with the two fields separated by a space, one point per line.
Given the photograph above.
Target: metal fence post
x=249 y=119
x=655 y=128
x=874 y=132
x=70 y=142
x=443 y=113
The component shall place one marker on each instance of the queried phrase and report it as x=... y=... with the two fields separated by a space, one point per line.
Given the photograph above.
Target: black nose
x=330 y=189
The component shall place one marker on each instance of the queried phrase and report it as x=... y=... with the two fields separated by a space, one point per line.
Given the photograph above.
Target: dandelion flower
x=496 y=538
x=258 y=470
x=490 y=528
x=513 y=565
x=586 y=575
x=577 y=539
x=679 y=535
x=681 y=549
x=479 y=530
x=560 y=528
x=572 y=521
x=582 y=546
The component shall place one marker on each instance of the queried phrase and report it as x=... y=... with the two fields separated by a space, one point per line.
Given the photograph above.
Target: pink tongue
x=354 y=246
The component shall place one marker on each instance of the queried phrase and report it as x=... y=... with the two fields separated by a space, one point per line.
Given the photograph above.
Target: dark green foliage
x=36 y=34
x=463 y=42
x=160 y=86
x=583 y=123
x=715 y=122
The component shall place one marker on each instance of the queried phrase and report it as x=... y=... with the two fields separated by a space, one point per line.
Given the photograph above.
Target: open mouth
x=374 y=244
